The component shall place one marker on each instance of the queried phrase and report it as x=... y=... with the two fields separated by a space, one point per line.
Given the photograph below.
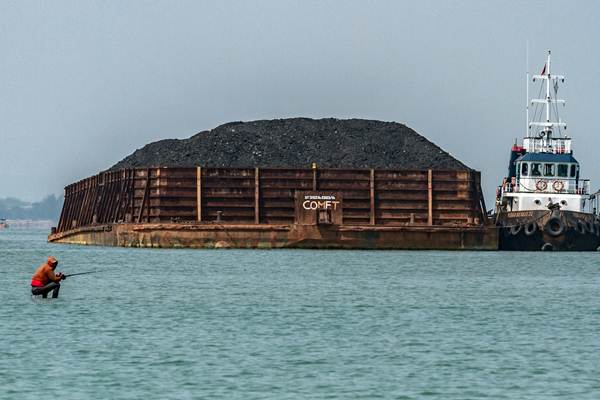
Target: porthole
x=563 y=202
x=537 y=202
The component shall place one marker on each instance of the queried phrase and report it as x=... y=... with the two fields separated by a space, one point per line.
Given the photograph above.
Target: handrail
x=553 y=185
x=595 y=202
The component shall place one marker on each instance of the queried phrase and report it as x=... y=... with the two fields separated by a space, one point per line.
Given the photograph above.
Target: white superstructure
x=543 y=171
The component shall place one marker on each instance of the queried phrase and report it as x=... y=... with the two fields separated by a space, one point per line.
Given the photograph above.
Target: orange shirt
x=45 y=274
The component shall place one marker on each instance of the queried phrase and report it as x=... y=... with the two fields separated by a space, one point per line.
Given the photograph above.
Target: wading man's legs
x=44 y=290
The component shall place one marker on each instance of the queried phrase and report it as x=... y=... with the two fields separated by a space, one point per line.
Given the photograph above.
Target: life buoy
x=554 y=226
x=530 y=228
x=558 y=186
x=541 y=185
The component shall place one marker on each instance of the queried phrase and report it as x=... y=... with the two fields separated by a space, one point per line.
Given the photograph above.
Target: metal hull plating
x=283 y=236
x=548 y=230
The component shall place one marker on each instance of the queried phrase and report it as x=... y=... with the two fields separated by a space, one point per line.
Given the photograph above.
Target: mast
x=548 y=128
x=548 y=124
x=527 y=127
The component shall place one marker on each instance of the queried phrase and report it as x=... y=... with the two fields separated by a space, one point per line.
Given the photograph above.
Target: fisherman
x=45 y=280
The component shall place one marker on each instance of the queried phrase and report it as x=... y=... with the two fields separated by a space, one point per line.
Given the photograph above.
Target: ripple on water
x=291 y=324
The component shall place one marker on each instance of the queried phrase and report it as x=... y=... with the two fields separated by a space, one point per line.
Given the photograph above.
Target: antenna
x=548 y=99
x=527 y=129
x=547 y=124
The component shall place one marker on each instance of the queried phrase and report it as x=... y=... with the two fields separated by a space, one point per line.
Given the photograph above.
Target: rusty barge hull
x=282 y=236
x=277 y=208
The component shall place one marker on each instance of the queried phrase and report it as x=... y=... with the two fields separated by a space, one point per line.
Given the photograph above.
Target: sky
x=85 y=83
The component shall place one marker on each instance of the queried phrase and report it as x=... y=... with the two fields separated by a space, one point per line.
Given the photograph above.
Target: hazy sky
x=85 y=83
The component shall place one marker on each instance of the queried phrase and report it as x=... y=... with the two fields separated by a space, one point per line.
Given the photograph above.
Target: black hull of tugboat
x=548 y=230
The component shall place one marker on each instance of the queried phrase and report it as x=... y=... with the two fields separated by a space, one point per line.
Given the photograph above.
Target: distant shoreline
x=30 y=223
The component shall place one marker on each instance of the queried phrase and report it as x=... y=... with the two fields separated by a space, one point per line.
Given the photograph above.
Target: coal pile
x=296 y=143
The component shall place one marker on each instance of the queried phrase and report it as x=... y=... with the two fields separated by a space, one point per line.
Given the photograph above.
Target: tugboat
x=543 y=203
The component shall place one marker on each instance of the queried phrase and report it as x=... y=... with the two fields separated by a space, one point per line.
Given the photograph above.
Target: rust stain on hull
x=282 y=236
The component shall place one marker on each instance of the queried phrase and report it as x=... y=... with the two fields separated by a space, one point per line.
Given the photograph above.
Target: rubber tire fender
x=581 y=227
x=547 y=247
x=515 y=229
x=530 y=228
x=549 y=227
x=597 y=228
x=590 y=227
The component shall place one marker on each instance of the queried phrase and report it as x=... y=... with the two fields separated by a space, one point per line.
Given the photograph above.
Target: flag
x=544 y=70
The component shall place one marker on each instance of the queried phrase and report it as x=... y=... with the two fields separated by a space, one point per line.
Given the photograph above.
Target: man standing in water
x=45 y=280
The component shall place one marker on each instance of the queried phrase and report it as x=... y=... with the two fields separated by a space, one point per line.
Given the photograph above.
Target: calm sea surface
x=298 y=324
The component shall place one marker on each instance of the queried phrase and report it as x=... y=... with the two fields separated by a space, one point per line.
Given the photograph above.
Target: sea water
x=299 y=324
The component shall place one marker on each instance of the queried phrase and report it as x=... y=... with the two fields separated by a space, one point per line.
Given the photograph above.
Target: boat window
x=563 y=170
x=573 y=170
x=524 y=169
x=548 y=169
x=536 y=169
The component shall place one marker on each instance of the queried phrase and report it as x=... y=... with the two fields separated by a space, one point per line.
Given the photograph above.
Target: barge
x=201 y=207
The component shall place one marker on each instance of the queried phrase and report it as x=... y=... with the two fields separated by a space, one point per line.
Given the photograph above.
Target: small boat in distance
x=3 y=223
x=543 y=203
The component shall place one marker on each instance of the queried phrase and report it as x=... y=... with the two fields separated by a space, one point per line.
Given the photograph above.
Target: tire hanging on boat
x=554 y=226
x=530 y=228
x=515 y=229
x=590 y=226
x=547 y=247
x=580 y=227
x=597 y=228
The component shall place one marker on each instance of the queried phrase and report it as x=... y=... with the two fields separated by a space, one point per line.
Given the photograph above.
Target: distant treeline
x=48 y=208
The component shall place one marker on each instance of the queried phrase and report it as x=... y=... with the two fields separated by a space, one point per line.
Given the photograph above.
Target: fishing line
x=80 y=273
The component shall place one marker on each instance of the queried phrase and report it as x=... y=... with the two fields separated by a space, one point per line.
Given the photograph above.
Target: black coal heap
x=296 y=143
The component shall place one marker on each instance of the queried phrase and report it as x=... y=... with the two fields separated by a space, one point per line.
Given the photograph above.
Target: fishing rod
x=79 y=273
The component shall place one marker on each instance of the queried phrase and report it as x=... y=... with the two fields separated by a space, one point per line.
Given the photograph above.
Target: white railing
x=541 y=145
x=550 y=185
x=594 y=203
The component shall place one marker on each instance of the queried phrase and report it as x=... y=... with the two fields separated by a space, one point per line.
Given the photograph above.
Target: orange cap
x=52 y=260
